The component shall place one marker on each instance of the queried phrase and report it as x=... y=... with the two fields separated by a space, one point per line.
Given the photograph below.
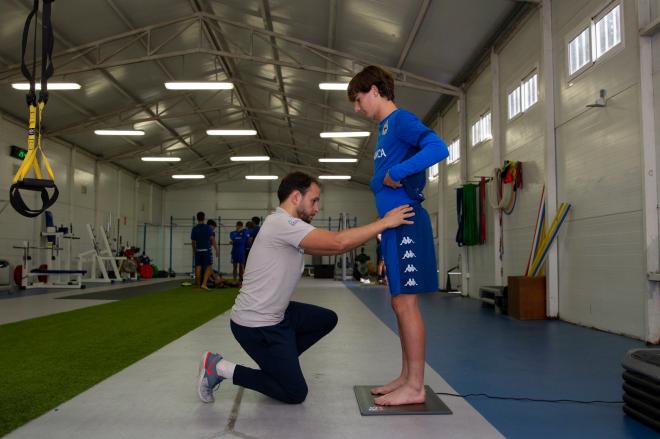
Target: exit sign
x=17 y=152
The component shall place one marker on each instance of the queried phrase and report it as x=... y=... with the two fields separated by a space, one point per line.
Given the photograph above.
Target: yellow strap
x=31 y=154
x=35 y=148
x=42 y=106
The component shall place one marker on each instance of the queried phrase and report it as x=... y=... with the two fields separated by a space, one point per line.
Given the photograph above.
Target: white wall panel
x=598 y=171
x=602 y=273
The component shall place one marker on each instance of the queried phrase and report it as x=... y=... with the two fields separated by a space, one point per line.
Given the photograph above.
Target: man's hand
x=398 y=215
x=387 y=181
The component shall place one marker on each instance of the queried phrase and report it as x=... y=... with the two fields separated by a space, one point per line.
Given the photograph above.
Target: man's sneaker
x=209 y=379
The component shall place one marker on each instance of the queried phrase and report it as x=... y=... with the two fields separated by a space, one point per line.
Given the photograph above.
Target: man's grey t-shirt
x=273 y=269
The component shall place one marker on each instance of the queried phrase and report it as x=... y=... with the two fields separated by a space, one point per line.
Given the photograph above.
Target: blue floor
x=478 y=351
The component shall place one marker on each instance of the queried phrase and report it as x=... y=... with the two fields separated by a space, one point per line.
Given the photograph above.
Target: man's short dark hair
x=212 y=223
x=200 y=216
x=239 y=223
x=295 y=181
x=371 y=75
x=256 y=220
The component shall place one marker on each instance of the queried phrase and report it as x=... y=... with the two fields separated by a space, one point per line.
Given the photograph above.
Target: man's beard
x=303 y=216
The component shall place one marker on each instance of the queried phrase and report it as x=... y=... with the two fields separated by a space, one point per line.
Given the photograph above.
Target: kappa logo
x=406 y=241
x=408 y=254
x=385 y=127
x=410 y=269
x=380 y=153
x=410 y=283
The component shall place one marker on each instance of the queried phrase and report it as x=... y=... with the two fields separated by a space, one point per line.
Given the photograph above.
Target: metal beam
x=268 y=24
x=217 y=40
x=413 y=33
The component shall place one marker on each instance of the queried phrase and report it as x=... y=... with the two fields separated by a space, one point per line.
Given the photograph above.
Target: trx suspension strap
x=36 y=110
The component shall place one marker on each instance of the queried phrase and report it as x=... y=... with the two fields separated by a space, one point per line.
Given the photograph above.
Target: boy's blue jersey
x=405 y=148
x=250 y=233
x=201 y=234
x=238 y=240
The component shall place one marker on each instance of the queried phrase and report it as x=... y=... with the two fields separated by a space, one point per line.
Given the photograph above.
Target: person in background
x=361 y=268
x=212 y=245
x=256 y=221
x=238 y=241
x=380 y=262
x=249 y=233
x=201 y=245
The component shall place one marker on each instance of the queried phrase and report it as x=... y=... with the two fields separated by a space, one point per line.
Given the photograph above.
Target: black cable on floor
x=529 y=399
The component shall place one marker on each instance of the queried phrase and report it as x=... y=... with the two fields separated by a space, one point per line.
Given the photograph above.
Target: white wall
x=599 y=165
x=89 y=191
x=601 y=271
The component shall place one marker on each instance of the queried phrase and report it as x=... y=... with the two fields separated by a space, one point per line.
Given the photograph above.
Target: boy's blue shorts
x=203 y=258
x=409 y=254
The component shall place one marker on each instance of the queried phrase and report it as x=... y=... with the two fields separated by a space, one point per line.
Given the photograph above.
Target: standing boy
x=405 y=149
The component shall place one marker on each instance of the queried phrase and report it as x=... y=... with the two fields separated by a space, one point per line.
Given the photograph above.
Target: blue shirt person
x=202 y=236
x=238 y=239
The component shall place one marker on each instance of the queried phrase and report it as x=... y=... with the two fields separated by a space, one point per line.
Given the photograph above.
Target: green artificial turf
x=49 y=360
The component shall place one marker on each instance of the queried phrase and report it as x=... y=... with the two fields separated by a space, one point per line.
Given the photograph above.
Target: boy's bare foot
x=389 y=387
x=405 y=394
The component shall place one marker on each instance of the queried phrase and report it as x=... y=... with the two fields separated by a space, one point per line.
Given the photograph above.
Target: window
x=530 y=92
x=434 y=170
x=524 y=96
x=602 y=35
x=514 y=103
x=607 y=32
x=454 y=151
x=481 y=130
x=579 y=52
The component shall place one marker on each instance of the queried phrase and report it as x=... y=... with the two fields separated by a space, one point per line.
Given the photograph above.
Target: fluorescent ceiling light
x=334 y=177
x=118 y=133
x=331 y=134
x=188 y=176
x=261 y=177
x=231 y=132
x=252 y=158
x=51 y=86
x=329 y=160
x=207 y=85
x=333 y=85
x=161 y=159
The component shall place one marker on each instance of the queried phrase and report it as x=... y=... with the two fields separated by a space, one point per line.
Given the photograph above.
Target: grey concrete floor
x=156 y=397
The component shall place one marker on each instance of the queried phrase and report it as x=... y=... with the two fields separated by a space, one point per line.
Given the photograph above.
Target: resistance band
x=36 y=109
